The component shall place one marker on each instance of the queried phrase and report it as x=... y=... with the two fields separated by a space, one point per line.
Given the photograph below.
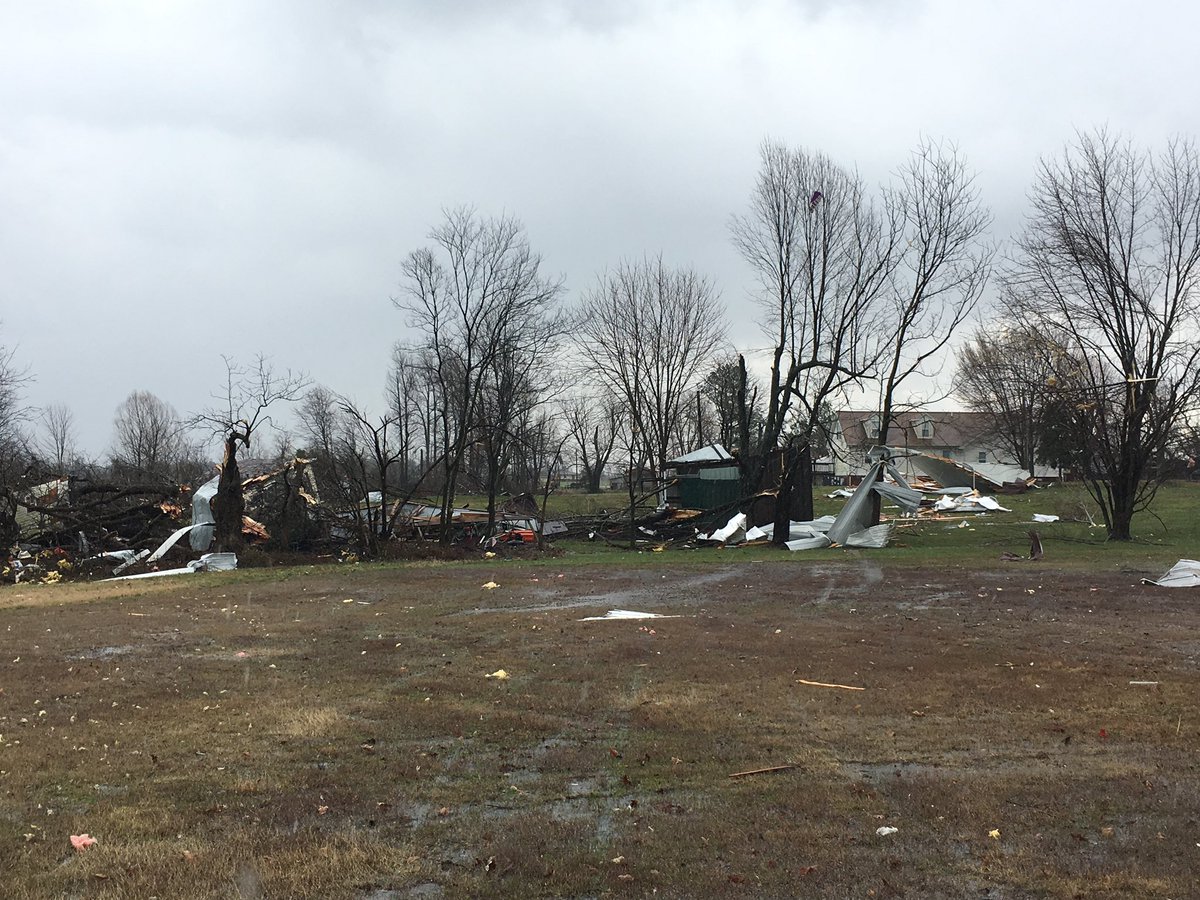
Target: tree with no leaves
x=13 y=442
x=1005 y=372
x=147 y=435
x=824 y=254
x=58 y=441
x=648 y=332
x=1108 y=271
x=592 y=427
x=941 y=271
x=249 y=392
x=467 y=296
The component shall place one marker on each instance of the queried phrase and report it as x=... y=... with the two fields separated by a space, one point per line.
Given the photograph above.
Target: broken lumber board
x=844 y=687
x=766 y=770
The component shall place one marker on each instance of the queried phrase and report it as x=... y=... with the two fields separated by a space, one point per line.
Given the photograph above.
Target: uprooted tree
x=241 y=410
x=1108 y=272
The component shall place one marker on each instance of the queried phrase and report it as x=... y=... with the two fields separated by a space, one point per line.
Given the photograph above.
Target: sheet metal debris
x=626 y=614
x=1185 y=573
x=209 y=562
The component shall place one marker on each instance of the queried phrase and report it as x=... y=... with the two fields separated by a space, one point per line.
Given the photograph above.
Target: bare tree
x=465 y=295
x=241 y=410
x=515 y=383
x=1006 y=373
x=724 y=386
x=357 y=456
x=14 y=444
x=824 y=255
x=1107 y=271
x=941 y=271
x=58 y=441
x=592 y=424
x=647 y=332
x=147 y=436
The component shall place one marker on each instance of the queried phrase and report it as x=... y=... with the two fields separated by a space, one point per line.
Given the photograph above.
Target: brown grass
x=254 y=735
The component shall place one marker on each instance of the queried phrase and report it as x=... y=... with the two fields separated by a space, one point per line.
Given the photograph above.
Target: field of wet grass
x=1029 y=730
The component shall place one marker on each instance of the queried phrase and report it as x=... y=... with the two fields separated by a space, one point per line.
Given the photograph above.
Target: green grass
x=1167 y=532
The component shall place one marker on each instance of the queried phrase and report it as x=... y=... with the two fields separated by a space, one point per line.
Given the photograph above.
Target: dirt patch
x=308 y=746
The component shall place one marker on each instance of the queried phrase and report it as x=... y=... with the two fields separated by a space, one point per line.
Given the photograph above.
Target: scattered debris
x=885 y=830
x=1145 y=683
x=1044 y=518
x=626 y=614
x=994 y=834
x=82 y=841
x=209 y=562
x=499 y=675
x=490 y=586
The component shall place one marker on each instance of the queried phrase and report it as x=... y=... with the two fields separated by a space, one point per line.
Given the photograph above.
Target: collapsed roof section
x=951 y=473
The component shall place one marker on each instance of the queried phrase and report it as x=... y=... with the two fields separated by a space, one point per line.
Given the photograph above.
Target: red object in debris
x=1103 y=734
x=517 y=536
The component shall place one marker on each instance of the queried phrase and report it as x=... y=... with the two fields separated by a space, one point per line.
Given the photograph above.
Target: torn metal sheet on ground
x=1185 y=573
x=626 y=614
x=209 y=562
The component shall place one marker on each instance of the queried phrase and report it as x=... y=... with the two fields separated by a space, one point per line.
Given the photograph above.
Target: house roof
x=949 y=428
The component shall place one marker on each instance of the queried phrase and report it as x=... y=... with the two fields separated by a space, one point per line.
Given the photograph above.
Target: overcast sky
x=180 y=180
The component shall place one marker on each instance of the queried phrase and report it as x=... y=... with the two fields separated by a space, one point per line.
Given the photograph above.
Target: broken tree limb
x=844 y=687
x=765 y=771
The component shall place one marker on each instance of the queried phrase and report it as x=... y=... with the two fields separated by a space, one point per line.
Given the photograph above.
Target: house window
x=983 y=456
x=926 y=429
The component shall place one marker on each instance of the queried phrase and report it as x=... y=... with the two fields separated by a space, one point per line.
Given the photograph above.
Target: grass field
x=331 y=731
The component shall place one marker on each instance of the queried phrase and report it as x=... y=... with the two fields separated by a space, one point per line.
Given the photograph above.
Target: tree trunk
x=783 y=499
x=230 y=505
x=794 y=500
x=802 y=494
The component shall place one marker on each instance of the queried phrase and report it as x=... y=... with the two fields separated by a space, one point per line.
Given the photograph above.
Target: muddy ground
x=332 y=732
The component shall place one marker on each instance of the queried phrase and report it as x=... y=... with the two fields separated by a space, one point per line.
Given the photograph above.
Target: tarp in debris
x=1185 y=573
